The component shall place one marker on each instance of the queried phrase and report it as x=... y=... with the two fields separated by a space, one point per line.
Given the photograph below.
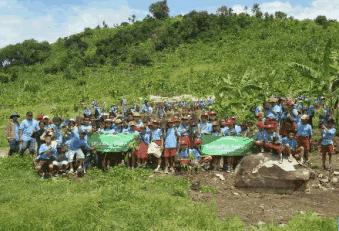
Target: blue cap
x=14 y=114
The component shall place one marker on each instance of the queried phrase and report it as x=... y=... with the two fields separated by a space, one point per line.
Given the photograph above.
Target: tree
x=159 y=9
x=255 y=8
x=124 y=24
x=246 y=8
x=222 y=10
x=230 y=10
x=133 y=18
x=324 y=79
x=321 y=20
x=258 y=14
x=104 y=24
x=280 y=14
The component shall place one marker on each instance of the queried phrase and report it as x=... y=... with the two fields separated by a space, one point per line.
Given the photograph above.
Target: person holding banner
x=216 y=132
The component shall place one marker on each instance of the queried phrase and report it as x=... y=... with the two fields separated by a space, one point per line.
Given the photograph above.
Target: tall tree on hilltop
x=133 y=18
x=255 y=8
x=159 y=9
x=222 y=10
x=246 y=8
x=280 y=14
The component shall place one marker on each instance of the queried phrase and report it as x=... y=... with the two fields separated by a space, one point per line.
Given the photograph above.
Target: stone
x=334 y=180
x=263 y=170
x=261 y=223
x=336 y=173
x=220 y=176
x=320 y=175
x=235 y=193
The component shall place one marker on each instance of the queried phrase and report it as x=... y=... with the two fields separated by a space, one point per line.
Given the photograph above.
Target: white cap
x=71 y=119
x=45 y=117
x=304 y=117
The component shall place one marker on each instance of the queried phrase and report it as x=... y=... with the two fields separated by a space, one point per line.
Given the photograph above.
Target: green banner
x=226 y=145
x=108 y=142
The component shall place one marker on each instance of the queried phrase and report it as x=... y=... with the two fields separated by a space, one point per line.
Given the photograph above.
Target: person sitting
x=47 y=153
x=259 y=137
x=273 y=141
x=290 y=146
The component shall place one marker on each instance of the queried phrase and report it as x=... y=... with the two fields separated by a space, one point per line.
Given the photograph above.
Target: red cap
x=40 y=116
x=170 y=121
x=259 y=115
x=150 y=124
x=229 y=122
x=204 y=114
x=290 y=103
x=271 y=126
x=260 y=124
x=177 y=120
x=183 y=142
x=197 y=141
x=143 y=126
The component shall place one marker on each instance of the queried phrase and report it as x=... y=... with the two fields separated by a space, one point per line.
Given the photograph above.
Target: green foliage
x=159 y=9
x=321 y=20
x=280 y=14
x=28 y=52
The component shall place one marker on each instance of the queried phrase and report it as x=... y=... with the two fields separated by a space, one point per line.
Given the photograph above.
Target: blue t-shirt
x=196 y=153
x=76 y=143
x=27 y=127
x=171 y=138
x=157 y=134
x=144 y=138
x=310 y=110
x=259 y=136
x=205 y=128
x=44 y=149
x=327 y=137
x=270 y=136
x=292 y=142
x=16 y=131
x=183 y=130
x=304 y=130
x=184 y=153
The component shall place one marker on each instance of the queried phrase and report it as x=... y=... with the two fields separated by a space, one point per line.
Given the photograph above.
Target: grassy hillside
x=194 y=54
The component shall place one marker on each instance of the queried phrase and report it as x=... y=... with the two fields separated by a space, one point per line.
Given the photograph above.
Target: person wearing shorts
x=328 y=132
x=47 y=153
x=290 y=146
x=74 y=149
x=273 y=141
x=304 y=132
x=171 y=142
x=157 y=137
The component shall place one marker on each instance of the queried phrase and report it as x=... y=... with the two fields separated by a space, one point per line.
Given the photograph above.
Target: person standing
x=310 y=112
x=12 y=133
x=304 y=131
x=327 y=132
x=27 y=127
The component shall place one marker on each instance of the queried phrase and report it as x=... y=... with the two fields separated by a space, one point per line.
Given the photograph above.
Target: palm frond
x=306 y=71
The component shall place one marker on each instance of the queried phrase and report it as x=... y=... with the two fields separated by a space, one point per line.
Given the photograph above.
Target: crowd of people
x=283 y=127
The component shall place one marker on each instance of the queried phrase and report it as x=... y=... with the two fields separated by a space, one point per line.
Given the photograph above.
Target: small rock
x=336 y=173
x=235 y=193
x=302 y=212
x=334 y=180
x=261 y=223
x=220 y=176
x=320 y=175
x=282 y=225
x=151 y=176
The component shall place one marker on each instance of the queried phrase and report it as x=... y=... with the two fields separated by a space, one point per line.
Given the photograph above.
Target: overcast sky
x=47 y=20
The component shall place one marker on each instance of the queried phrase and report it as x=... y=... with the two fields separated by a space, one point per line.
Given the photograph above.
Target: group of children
x=61 y=145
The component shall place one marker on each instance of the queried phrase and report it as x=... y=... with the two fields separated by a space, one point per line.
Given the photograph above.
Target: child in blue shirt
x=171 y=144
x=47 y=153
x=327 y=133
x=157 y=137
x=290 y=146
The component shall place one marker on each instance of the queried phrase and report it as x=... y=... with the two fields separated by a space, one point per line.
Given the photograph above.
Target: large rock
x=263 y=170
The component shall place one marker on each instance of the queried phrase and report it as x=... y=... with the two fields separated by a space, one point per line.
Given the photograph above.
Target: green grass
x=119 y=199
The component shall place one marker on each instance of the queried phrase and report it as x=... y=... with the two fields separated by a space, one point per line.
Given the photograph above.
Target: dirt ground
x=265 y=205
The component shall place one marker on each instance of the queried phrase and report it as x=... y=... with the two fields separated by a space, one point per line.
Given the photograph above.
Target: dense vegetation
x=242 y=58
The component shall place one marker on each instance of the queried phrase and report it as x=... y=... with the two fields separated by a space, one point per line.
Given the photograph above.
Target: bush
x=69 y=76
x=321 y=20
x=53 y=69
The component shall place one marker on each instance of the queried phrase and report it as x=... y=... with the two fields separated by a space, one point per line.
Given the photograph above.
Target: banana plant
x=324 y=79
